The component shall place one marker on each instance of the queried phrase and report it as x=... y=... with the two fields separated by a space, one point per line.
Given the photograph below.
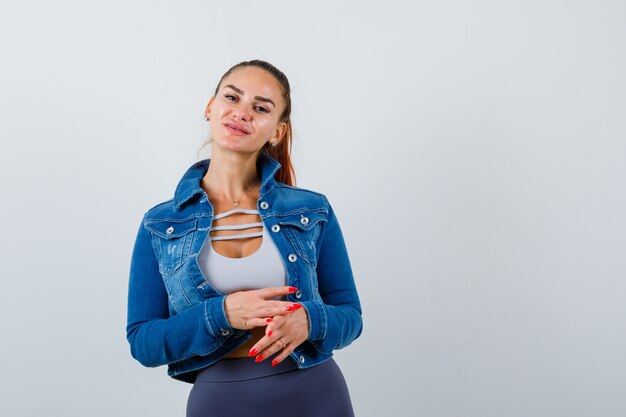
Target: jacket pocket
x=172 y=242
x=302 y=230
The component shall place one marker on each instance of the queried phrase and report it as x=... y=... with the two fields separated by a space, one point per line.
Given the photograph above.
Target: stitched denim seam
x=174 y=219
x=207 y=320
x=325 y=320
x=299 y=210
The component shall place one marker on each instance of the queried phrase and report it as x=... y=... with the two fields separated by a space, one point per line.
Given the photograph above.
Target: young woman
x=241 y=283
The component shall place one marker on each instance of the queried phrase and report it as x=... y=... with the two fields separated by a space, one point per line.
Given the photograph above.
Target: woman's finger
x=276 y=345
x=258 y=322
x=284 y=353
x=275 y=324
x=279 y=310
x=286 y=329
x=271 y=292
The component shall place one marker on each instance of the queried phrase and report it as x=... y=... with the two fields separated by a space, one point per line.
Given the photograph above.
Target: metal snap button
x=275 y=228
x=170 y=230
x=225 y=332
x=292 y=257
x=301 y=359
x=298 y=294
x=264 y=205
x=304 y=220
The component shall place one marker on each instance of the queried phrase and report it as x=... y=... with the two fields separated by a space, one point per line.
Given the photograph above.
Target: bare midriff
x=244 y=350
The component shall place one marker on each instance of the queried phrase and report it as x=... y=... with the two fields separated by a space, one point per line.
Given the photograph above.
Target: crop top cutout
x=263 y=268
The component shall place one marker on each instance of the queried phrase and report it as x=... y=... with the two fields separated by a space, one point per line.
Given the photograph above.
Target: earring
x=274 y=144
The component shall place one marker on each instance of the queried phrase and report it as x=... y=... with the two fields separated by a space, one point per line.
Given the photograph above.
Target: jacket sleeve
x=335 y=321
x=155 y=337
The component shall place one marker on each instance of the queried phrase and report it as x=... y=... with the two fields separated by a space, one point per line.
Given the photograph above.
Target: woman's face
x=249 y=99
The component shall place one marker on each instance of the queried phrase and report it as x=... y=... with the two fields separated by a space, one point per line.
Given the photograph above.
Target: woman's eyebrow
x=256 y=98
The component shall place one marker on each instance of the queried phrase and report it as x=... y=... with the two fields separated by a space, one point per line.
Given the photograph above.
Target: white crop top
x=263 y=268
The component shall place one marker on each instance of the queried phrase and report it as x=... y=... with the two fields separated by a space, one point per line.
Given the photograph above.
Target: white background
x=474 y=152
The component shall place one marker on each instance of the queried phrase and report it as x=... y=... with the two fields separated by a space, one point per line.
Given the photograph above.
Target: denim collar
x=189 y=185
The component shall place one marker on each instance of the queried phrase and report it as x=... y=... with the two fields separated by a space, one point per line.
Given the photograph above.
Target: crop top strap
x=235 y=210
x=237 y=236
x=236 y=226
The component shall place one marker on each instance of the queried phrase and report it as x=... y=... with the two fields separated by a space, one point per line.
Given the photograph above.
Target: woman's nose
x=241 y=112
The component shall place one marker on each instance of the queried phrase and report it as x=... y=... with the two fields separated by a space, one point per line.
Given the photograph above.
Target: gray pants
x=242 y=387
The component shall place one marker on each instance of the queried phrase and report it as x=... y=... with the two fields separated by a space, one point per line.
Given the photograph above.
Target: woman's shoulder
x=295 y=189
x=289 y=199
x=301 y=192
x=161 y=210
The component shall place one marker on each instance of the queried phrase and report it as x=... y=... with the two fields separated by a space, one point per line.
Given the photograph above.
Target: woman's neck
x=230 y=174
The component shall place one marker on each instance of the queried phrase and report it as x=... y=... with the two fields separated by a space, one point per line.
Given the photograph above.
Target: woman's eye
x=228 y=97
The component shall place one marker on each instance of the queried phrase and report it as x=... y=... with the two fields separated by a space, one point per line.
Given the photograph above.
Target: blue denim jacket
x=176 y=317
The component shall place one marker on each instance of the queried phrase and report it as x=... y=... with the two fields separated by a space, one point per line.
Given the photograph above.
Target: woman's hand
x=247 y=309
x=283 y=334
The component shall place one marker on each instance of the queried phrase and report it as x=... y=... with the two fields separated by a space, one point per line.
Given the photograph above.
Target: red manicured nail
x=293 y=289
x=274 y=362
x=268 y=320
x=259 y=358
x=252 y=352
x=269 y=334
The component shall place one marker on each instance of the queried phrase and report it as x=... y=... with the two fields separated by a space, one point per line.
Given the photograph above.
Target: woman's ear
x=280 y=132
x=207 y=110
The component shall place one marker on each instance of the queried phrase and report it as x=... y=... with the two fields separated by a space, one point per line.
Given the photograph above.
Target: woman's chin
x=230 y=146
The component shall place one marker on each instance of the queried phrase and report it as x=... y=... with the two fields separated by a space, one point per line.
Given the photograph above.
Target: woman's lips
x=234 y=131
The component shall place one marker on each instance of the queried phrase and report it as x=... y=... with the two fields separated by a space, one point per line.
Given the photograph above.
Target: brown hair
x=282 y=151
